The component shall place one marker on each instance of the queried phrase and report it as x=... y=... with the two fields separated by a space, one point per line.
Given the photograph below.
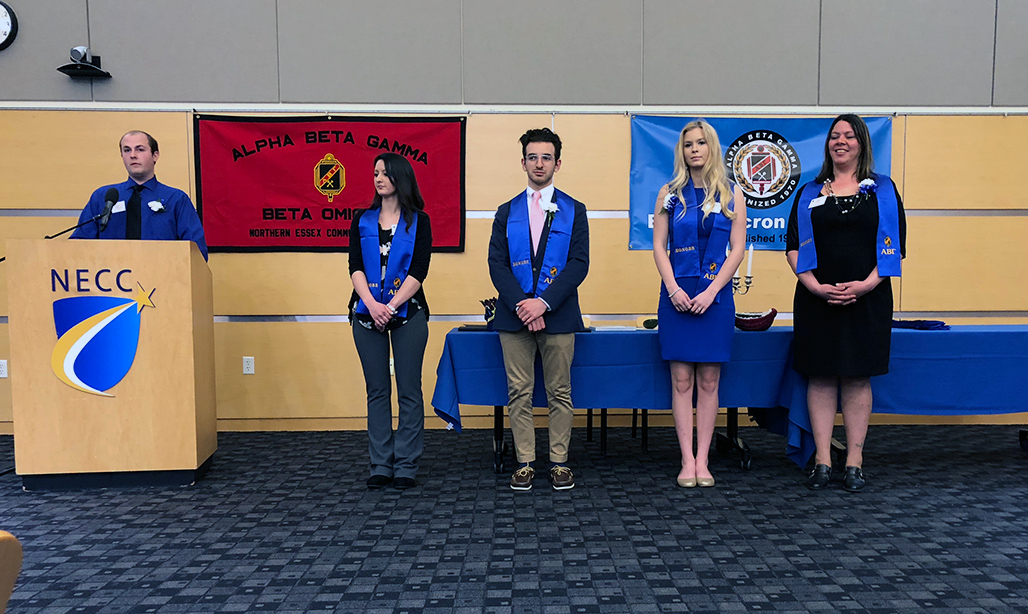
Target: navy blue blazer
x=562 y=295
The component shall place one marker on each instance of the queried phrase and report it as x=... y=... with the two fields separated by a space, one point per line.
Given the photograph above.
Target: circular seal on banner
x=765 y=166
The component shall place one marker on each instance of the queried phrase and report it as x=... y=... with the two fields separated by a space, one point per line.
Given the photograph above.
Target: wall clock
x=8 y=25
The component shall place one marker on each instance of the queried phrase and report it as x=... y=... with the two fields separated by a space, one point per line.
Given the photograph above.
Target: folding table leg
x=499 y=445
x=589 y=424
x=645 y=428
x=603 y=431
x=731 y=440
x=838 y=454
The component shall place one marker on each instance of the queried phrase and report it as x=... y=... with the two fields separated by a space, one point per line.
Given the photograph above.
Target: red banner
x=293 y=183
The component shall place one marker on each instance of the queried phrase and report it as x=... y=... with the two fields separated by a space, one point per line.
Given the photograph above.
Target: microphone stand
x=67 y=230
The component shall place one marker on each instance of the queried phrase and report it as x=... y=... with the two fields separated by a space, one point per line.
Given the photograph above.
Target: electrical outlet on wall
x=247 y=365
x=3 y=369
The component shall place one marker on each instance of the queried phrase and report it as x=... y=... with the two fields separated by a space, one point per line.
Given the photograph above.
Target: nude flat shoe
x=687 y=482
x=704 y=482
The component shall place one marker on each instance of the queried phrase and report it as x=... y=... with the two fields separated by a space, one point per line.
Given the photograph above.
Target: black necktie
x=133 y=215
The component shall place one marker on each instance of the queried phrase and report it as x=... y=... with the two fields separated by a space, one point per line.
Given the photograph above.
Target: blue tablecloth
x=961 y=371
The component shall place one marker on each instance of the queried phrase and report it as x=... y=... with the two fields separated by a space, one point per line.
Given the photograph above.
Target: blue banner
x=770 y=159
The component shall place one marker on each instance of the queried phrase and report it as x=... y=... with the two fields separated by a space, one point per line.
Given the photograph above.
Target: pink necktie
x=536 y=220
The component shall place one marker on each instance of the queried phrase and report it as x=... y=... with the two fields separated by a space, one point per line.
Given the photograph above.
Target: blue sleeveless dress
x=690 y=338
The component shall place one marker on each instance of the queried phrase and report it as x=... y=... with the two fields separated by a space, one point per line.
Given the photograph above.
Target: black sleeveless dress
x=851 y=340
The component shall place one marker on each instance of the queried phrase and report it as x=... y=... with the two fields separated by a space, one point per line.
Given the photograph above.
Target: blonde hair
x=719 y=190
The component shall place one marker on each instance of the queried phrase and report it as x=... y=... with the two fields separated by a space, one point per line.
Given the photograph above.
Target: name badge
x=119 y=207
x=817 y=202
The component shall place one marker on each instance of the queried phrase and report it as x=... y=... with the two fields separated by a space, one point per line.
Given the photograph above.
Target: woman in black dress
x=846 y=236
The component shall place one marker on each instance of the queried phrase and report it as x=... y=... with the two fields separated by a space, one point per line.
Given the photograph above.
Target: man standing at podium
x=538 y=256
x=141 y=207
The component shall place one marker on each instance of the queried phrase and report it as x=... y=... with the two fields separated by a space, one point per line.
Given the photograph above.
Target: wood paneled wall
x=955 y=172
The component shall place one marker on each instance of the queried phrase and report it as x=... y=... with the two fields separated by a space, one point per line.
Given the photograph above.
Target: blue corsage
x=868 y=186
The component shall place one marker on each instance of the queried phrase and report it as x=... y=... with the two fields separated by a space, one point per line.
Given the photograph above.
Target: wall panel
x=621 y=52
x=46 y=33
x=55 y=159
x=965 y=162
x=966 y=264
x=916 y=52
x=388 y=51
x=1011 y=53
x=308 y=373
x=175 y=50
x=457 y=282
x=766 y=52
x=280 y=283
x=303 y=371
x=619 y=281
x=539 y=52
x=597 y=150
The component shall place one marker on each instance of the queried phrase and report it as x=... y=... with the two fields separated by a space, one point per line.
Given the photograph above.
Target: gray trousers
x=394 y=453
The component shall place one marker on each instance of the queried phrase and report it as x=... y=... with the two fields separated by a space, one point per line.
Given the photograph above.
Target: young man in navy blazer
x=538 y=256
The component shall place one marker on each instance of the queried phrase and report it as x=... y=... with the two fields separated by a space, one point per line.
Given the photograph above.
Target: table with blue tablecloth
x=967 y=370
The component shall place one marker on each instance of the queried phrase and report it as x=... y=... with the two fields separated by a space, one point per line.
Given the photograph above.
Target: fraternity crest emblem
x=396 y=282
x=329 y=176
x=765 y=166
x=888 y=242
x=553 y=271
x=713 y=267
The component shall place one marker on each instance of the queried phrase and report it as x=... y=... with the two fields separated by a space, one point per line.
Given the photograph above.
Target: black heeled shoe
x=854 y=480
x=378 y=481
x=404 y=483
x=819 y=477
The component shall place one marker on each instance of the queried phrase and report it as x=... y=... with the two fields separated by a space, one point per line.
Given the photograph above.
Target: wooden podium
x=157 y=424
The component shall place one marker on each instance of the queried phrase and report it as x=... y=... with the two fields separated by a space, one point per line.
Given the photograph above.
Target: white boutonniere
x=669 y=202
x=155 y=206
x=550 y=209
x=868 y=186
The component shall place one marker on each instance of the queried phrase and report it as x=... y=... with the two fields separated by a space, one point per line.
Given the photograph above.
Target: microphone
x=110 y=198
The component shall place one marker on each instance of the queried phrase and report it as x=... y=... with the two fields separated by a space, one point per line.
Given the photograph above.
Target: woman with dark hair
x=699 y=233
x=390 y=250
x=846 y=236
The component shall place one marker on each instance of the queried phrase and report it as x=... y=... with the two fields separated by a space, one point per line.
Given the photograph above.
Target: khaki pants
x=557 y=351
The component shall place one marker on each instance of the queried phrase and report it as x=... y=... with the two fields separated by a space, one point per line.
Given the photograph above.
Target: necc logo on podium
x=97 y=334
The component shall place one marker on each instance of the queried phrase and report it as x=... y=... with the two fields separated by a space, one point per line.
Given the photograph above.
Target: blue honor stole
x=886 y=244
x=401 y=253
x=683 y=239
x=558 y=242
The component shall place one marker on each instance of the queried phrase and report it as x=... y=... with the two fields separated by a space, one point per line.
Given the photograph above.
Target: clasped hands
x=531 y=311
x=381 y=313
x=845 y=293
x=696 y=305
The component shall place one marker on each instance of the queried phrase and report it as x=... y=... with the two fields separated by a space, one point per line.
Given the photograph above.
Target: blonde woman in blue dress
x=699 y=236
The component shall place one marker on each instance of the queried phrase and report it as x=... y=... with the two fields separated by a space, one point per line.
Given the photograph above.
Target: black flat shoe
x=379 y=481
x=819 y=477
x=854 y=480
x=404 y=483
